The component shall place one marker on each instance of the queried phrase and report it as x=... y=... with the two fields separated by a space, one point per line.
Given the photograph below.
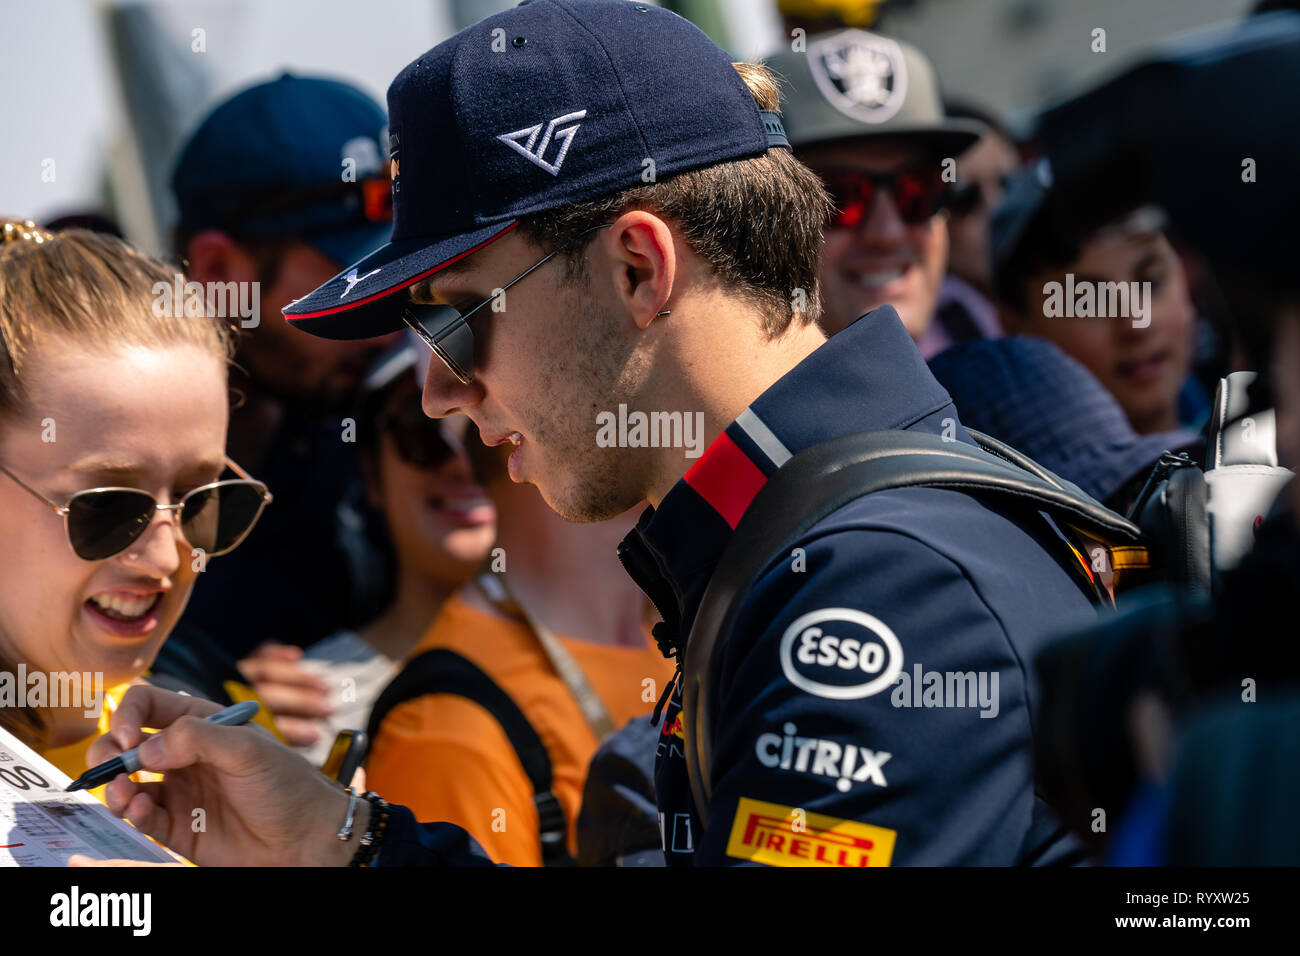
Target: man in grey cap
x=864 y=112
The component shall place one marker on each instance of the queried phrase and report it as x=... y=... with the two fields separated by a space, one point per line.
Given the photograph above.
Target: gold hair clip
x=19 y=230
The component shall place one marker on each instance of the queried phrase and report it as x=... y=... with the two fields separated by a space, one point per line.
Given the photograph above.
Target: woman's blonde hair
x=93 y=290
x=90 y=289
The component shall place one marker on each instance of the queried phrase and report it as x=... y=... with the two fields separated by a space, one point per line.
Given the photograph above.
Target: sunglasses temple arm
x=247 y=477
x=530 y=270
x=230 y=463
x=527 y=272
x=57 y=508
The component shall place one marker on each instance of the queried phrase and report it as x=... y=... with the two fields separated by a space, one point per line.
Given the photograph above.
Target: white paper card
x=40 y=825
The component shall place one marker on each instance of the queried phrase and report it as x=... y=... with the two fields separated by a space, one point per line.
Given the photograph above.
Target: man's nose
x=884 y=227
x=445 y=394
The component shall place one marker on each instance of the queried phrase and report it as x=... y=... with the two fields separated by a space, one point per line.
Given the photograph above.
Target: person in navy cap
x=278 y=188
x=596 y=217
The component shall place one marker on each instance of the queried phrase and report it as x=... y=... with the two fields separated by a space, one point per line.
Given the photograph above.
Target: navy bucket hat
x=1026 y=392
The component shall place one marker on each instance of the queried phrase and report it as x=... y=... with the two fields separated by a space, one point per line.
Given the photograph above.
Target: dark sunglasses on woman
x=215 y=518
x=419 y=439
x=919 y=192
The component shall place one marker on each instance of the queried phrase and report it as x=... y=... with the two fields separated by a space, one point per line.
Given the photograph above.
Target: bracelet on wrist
x=345 y=832
x=376 y=831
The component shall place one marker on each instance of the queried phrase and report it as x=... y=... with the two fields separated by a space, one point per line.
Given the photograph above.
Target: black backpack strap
x=822 y=479
x=441 y=671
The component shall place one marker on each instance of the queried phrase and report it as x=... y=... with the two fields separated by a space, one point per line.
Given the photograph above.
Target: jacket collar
x=870 y=376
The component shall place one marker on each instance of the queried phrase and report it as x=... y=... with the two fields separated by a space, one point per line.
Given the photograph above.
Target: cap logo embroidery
x=860 y=74
x=534 y=151
x=352 y=279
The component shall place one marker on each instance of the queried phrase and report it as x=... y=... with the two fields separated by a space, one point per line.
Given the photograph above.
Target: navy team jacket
x=875 y=705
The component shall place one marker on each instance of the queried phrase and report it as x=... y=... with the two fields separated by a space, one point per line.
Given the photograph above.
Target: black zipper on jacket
x=644 y=570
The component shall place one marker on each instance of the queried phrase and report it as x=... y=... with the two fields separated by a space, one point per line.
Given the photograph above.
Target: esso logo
x=815 y=646
x=840 y=653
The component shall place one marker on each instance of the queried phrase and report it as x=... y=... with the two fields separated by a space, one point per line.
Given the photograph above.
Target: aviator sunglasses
x=103 y=522
x=918 y=192
x=445 y=329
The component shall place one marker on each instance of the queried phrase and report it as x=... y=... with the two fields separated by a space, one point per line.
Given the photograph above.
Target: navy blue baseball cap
x=295 y=156
x=551 y=102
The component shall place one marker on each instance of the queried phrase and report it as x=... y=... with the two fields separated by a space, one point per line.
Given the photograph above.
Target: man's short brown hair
x=757 y=222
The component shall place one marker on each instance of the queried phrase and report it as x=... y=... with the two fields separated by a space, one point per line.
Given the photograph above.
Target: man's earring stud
x=664 y=312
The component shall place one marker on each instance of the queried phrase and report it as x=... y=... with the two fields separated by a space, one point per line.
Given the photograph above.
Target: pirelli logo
x=781 y=836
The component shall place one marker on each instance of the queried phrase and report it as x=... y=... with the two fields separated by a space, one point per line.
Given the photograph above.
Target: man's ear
x=215 y=257
x=644 y=262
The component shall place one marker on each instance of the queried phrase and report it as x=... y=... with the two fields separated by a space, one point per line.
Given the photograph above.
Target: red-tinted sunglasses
x=918 y=192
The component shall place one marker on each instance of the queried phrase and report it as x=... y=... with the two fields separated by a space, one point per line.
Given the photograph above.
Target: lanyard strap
x=495 y=589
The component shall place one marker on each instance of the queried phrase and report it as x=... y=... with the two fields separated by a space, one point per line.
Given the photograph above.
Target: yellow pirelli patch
x=787 y=836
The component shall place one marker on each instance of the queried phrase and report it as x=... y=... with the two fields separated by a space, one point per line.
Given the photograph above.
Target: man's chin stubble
x=596 y=499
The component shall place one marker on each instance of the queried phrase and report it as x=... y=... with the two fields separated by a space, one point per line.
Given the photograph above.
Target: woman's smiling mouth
x=125 y=613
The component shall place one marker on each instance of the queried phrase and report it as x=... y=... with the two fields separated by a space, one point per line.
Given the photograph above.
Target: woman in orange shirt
x=445 y=755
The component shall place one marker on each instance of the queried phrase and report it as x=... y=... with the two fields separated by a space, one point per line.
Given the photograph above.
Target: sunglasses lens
x=852 y=195
x=457 y=349
x=104 y=523
x=216 y=519
x=963 y=200
x=917 y=194
x=447 y=333
x=419 y=439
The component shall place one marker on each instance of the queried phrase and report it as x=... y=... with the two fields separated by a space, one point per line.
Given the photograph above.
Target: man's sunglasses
x=445 y=329
x=919 y=193
x=103 y=522
x=419 y=439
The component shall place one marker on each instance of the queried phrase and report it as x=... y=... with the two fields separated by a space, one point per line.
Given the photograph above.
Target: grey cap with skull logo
x=852 y=84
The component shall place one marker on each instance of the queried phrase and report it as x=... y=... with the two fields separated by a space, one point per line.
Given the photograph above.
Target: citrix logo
x=829 y=759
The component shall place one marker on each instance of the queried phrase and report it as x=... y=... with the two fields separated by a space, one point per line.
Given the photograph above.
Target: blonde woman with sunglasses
x=114 y=484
